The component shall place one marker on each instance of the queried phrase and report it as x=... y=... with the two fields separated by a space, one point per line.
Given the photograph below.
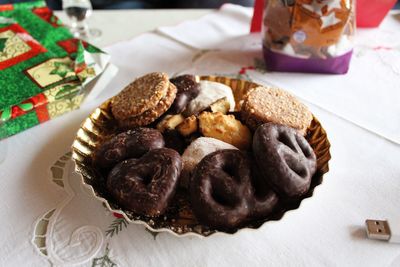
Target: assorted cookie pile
x=236 y=161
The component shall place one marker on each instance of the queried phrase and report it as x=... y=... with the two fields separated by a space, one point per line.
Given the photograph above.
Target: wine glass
x=78 y=11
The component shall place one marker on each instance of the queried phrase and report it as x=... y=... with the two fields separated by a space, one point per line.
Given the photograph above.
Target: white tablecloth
x=48 y=219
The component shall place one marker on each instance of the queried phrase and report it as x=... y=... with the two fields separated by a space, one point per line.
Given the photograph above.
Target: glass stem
x=79 y=28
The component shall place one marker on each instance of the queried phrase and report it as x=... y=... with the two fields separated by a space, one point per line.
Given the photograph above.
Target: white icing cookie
x=195 y=152
x=209 y=93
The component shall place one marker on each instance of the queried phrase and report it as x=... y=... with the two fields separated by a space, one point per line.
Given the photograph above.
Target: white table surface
x=121 y=25
x=340 y=201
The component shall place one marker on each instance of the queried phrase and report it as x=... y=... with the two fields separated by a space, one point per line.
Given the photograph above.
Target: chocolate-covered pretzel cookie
x=146 y=185
x=131 y=144
x=264 y=199
x=174 y=140
x=188 y=89
x=221 y=188
x=285 y=159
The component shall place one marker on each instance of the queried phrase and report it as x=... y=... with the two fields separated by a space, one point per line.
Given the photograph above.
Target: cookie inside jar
x=220 y=157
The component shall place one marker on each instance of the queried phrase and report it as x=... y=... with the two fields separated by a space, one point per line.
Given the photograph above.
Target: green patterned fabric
x=40 y=64
x=12 y=90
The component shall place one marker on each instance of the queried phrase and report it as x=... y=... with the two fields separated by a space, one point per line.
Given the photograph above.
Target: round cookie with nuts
x=153 y=114
x=143 y=101
x=139 y=96
x=265 y=104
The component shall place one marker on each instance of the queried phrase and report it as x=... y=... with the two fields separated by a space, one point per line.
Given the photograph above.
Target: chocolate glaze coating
x=188 y=89
x=285 y=159
x=146 y=185
x=264 y=198
x=131 y=144
x=174 y=140
x=220 y=189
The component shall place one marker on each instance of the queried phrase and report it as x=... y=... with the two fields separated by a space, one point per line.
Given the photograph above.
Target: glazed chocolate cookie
x=195 y=152
x=188 y=89
x=285 y=159
x=174 y=140
x=220 y=189
x=264 y=199
x=141 y=95
x=131 y=144
x=152 y=114
x=146 y=185
x=265 y=104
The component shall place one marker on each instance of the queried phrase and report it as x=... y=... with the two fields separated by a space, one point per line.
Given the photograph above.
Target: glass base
x=87 y=34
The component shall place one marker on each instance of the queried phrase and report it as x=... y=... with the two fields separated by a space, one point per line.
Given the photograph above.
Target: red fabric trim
x=6 y=7
x=42 y=113
x=16 y=112
x=46 y=14
x=256 y=21
x=40 y=101
x=71 y=45
x=36 y=48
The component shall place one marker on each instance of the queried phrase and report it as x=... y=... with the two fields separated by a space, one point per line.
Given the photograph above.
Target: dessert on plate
x=200 y=156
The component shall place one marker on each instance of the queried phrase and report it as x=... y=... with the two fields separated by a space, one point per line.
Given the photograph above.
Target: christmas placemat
x=43 y=69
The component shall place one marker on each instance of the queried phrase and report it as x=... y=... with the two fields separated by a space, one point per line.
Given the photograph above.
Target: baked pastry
x=131 y=144
x=221 y=105
x=210 y=92
x=143 y=101
x=188 y=126
x=195 y=152
x=188 y=88
x=146 y=185
x=225 y=128
x=152 y=114
x=220 y=189
x=141 y=95
x=169 y=122
x=265 y=104
x=285 y=159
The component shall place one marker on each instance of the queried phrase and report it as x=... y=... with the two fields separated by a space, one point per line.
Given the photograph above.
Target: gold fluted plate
x=179 y=218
